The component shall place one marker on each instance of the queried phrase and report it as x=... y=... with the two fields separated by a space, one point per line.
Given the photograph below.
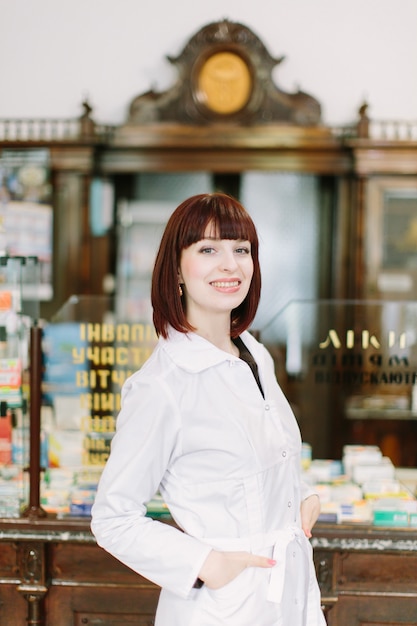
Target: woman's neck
x=218 y=333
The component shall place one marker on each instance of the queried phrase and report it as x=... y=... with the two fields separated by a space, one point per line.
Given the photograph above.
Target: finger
x=307 y=532
x=255 y=560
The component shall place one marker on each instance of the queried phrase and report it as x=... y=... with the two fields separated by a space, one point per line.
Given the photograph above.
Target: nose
x=228 y=261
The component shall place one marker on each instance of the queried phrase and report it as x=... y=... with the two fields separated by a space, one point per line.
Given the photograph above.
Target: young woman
x=205 y=423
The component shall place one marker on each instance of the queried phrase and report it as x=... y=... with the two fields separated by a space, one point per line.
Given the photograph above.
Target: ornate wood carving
x=358 y=567
x=225 y=74
x=32 y=563
x=324 y=570
x=33 y=586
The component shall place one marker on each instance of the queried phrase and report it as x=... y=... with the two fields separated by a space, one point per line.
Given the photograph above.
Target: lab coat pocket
x=232 y=591
x=235 y=604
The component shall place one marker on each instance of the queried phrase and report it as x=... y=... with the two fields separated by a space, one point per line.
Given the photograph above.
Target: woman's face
x=216 y=275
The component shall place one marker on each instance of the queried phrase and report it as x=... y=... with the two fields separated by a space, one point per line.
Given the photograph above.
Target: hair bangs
x=226 y=217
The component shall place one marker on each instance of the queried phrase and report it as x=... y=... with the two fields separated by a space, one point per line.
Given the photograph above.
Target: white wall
x=53 y=53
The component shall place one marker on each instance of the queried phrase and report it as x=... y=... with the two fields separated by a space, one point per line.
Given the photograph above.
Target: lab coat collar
x=193 y=353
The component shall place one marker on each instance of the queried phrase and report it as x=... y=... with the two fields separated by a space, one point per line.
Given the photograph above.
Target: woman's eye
x=243 y=250
x=206 y=250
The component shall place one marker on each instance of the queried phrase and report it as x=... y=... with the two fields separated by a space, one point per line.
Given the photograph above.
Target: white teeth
x=221 y=284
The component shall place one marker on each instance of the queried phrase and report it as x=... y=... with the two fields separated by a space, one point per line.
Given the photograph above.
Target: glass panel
x=349 y=369
x=171 y=187
x=286 y=210
x=391 y=239
x=19 y=308
x=140 y=226
x=26 y=213
x=284 y=206
x=340 y=363
x=400 y=229
x=88 y=354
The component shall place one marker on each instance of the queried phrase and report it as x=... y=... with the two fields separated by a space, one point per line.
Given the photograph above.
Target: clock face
x=224 y=83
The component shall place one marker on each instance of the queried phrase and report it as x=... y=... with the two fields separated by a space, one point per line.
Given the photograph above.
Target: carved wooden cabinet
x=195 y=126
x=367 y=575
x=52 y=573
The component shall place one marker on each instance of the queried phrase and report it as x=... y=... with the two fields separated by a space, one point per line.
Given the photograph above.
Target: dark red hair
x=186 y=226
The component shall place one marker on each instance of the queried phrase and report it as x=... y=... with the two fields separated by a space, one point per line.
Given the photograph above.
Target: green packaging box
x=391 y=518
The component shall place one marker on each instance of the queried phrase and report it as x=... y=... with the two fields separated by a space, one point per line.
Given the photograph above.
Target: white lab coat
x=194 y=424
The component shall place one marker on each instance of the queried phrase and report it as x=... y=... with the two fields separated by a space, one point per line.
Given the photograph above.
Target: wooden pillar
x=34 y=510
x=31 y=563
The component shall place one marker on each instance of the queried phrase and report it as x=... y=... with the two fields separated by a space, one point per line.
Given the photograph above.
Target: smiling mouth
x=224 y=283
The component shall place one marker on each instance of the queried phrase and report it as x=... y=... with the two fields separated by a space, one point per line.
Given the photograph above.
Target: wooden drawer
x=70 y=563
x=101 y=606
x=91 y=588
x=379 y=572
x=376 y=610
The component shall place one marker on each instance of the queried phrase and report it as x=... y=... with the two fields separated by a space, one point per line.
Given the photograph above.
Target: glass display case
x=349 y=369
x=19 y=311
x=88 y=352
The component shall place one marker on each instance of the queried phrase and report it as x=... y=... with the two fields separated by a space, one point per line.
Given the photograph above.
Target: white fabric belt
x=278 y=540
x=276 y=581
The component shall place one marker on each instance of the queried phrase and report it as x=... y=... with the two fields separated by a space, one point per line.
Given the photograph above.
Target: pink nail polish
x=272 y=562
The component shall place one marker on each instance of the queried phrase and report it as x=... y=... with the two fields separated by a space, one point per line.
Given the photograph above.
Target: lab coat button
x=289 y=504
x=284 y=453
x=267 y=407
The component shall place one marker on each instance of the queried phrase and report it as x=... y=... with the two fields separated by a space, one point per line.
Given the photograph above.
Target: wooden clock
x=225 y=75
x=224 y=83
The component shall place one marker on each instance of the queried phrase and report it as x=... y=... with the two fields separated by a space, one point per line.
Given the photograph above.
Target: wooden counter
x=52 y=573
x=367 y=575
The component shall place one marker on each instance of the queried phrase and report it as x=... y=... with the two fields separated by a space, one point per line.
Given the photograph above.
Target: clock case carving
x=185 y=103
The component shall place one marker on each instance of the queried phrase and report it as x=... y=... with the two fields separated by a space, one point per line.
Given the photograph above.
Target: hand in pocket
x=220 y=568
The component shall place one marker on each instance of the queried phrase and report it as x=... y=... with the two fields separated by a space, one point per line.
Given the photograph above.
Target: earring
x=180 y=290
